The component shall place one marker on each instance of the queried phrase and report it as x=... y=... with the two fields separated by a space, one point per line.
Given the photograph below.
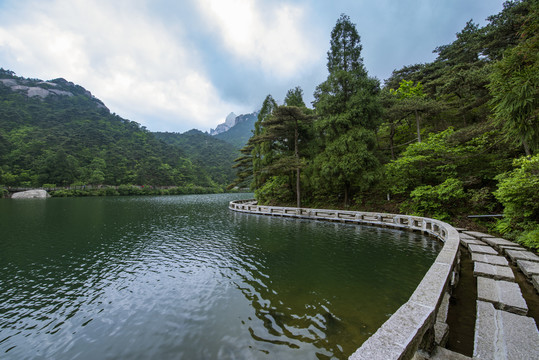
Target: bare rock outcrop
x=31 y=194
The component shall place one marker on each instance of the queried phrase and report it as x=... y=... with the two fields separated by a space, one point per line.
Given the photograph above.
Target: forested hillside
x=214 y=156
x=445 y=139
x=57 y=133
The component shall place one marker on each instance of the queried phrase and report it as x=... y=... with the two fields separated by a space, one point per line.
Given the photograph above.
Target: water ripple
x=181 y=277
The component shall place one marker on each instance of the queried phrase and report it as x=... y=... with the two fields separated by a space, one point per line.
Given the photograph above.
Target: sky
x=175 y=65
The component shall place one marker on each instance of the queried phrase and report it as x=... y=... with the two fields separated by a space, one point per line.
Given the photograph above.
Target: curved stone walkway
x=502 y=328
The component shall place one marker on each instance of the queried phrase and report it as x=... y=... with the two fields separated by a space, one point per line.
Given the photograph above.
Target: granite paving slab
x=503 y=248
x=489 y=259
x=477 y=234
x=503 y=335
x=482 y=249
x=529 y=268
x=516 y=255
x=466 y=242
x=496 y=242
x=495 y=272
x=504 y=295
x=466 y=236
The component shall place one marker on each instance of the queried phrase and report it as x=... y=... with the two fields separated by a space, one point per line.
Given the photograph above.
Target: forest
x=74 y=141
x=454 y=137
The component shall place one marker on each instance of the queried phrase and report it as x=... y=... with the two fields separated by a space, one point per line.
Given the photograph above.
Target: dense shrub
x=518 y=192
x=438 y=201
x=275 y=191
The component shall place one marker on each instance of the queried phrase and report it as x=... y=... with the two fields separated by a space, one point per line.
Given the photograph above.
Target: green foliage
x=261 y=151
x=514 y=85
x=453 y=172
x=517 y=191
x=75 y=139
x=294 y=97
x=502 y=30
x=407 y=90
x=530 y=238
x=439 y=202
x=345 y=47
x=348 y=108
x=135 y=190
x=276 y=190
x=3 y=192
x=349 y=161
x=425 y=163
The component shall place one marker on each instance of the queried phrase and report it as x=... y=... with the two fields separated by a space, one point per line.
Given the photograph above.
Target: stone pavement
x=502 y=329
x=503 y=335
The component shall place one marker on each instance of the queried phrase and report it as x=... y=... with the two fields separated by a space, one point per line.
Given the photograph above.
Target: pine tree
x=348 y=107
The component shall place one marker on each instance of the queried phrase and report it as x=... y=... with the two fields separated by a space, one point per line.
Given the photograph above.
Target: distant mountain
x=239 y=134
x=229 y=122
x=35 y=88
x=56 y=132
x=212 y=155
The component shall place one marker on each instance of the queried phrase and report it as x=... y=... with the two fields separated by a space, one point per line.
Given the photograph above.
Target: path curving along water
x=420 y=323
x=505 y=323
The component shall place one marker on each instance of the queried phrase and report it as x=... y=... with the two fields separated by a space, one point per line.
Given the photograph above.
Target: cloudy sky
x=174 y=65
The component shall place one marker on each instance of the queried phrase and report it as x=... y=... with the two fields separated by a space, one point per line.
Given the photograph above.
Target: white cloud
x=270 y=37
x=132 y=62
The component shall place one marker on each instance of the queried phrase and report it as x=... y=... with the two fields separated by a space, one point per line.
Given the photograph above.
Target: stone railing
x=420 y=323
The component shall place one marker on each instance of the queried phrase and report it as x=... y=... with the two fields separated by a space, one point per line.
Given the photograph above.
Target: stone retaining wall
x=419 y=324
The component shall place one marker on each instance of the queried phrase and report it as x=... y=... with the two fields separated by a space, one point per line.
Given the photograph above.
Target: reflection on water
x=182 y=277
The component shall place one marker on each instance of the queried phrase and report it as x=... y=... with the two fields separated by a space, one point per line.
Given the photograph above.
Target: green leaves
x=349 y=109
x=66 y=140
x=517 y=191
x=437 y=201
x=514 y=86
x=345 y=51
x=407 y=90
x=426 y=163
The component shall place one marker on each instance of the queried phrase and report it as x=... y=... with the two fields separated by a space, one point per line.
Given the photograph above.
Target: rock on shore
x=31 y=194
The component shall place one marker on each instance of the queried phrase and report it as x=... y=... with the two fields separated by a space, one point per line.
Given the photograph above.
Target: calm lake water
x=182 y=277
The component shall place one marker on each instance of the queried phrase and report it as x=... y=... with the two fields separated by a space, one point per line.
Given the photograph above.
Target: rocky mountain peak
x=230 y=121
x=44 y=89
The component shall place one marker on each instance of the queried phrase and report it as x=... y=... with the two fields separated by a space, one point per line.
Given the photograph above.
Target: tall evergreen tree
x=257 y=153
x=284 y=130
x=294 y=97
x=348 y=107
x=262 y=153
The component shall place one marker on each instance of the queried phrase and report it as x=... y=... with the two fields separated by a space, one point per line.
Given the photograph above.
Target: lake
x=183 y=277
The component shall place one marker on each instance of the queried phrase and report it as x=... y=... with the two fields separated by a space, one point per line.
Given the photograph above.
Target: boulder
x=31 y=194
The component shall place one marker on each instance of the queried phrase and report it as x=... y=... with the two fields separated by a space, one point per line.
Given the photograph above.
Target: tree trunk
x=526 y=148
x=298 y=171
x=346 y=194
x=417 y=125
x=298 y=188
x=391 y=145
